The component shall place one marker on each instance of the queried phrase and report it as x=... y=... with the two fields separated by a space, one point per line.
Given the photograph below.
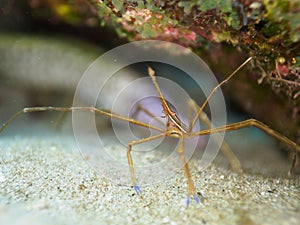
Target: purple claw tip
x=197 y=199
x=137 y=189
x=188 y=200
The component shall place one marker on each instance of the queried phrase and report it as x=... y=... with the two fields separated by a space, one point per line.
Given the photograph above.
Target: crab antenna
x=215 y=89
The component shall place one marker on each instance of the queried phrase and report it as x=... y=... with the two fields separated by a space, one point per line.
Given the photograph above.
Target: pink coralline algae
x=147 y=24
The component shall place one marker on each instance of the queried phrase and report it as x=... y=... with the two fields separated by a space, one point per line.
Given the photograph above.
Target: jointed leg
x=191 y=187
x=233 y=160
x=226 y=150
x=70 y=109
x=214 y=90
x=250 y=123
x=98 y=111
x=255 y=123
x=130 y=161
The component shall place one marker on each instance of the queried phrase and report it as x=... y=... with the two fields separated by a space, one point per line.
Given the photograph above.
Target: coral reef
x=267 y=30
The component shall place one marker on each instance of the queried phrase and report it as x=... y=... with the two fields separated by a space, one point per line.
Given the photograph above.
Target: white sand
x=46 y=181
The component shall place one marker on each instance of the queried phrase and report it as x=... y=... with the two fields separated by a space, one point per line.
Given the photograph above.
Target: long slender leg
x=233 y=160
x=191 y=187
x=253 y=123
x=98 y=111
x=130 y=161
x=214 y=90
x=69 y=109
x=250 y=123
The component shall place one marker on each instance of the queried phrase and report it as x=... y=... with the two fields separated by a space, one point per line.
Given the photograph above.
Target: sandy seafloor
x=44 y=180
